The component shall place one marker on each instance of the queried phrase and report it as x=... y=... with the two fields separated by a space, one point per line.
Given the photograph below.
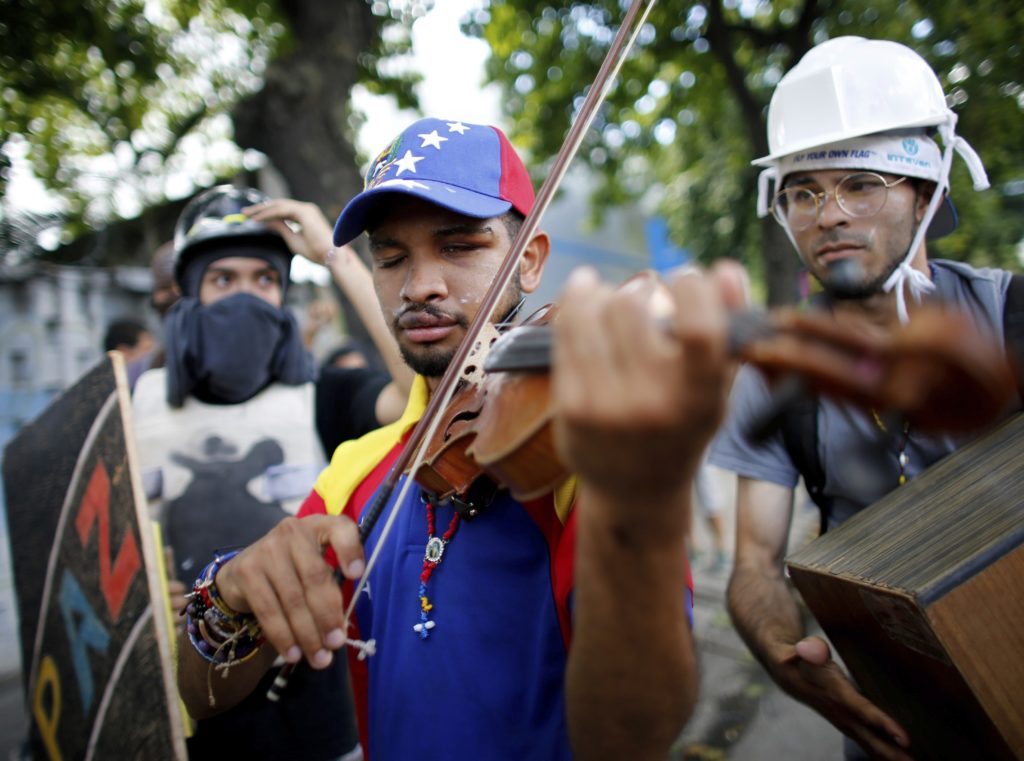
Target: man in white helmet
x=858 y=182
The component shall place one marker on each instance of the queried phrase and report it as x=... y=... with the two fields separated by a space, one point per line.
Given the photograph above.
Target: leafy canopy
x=119 y=104
x=688 y=113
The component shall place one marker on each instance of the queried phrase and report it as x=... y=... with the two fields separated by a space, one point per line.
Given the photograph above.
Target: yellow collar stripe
x=354 y=460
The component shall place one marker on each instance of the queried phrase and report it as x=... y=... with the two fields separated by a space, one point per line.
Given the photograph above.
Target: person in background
x=350 y=400
x=349 y=354
x=346 y=392
x=135 y=341
x=228 y=448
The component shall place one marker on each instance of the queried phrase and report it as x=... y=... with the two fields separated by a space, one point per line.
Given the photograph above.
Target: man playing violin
x=859 y=182
x=550 y=628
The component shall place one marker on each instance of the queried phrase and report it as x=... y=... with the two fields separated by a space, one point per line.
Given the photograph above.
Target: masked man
x=225 y=433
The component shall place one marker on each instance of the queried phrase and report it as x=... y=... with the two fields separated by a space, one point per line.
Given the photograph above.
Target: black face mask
x=228 y=351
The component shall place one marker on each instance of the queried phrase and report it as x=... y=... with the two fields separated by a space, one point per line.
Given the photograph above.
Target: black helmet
x=216 y=214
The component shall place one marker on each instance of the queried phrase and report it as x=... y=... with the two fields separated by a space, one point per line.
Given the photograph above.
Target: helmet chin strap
x=905 y=277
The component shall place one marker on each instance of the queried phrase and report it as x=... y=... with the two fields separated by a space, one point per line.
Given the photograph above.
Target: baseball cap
x=910 y=153
x=471 y=169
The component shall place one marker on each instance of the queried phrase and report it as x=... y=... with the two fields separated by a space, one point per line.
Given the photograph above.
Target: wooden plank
x=94 y=630
x=982 y=628
x=920 y=594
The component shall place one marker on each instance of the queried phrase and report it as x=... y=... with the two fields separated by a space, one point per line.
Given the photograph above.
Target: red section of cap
x=515 y=185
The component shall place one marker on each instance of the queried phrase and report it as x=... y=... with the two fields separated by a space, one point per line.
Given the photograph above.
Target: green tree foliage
x=119 y=104
x=688 y=114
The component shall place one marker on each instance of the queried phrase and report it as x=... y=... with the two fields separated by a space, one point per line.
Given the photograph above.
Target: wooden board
x=94 y=629
x=922 y=595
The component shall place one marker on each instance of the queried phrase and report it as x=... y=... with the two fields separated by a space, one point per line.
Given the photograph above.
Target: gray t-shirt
x=859 y=459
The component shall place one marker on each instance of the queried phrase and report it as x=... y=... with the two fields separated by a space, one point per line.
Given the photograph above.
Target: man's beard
x=846 y=279
x=433 y=362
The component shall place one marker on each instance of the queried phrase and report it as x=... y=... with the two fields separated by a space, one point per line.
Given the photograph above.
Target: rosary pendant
x=432 y=555
x=434 y=550
x=423 y=628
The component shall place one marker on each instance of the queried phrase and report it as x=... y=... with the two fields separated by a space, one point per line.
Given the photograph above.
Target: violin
x=501 y=426
x=938 y=373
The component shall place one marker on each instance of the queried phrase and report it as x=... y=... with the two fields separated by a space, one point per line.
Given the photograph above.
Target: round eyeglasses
x=861 y=194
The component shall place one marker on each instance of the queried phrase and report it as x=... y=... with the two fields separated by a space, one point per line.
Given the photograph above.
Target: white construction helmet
x=852 y=87
x=848 y=87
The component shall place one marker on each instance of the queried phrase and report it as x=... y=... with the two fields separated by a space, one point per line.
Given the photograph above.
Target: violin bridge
x=473 y=369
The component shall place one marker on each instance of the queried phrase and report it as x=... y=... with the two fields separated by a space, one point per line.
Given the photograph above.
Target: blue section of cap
x=448 y=163
x=352 y=220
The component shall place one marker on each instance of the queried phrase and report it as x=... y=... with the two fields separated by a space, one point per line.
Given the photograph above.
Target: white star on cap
x=408 y=161
x=457 y=127
x=410 y=184
x=432 y=138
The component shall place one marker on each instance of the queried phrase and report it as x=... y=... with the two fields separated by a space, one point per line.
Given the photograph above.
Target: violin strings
x=513 y=313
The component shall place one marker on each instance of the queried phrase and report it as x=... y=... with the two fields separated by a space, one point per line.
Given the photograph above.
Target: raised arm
x=767 y=618
x=308 y=234
x=353 y=277
x=637 y=408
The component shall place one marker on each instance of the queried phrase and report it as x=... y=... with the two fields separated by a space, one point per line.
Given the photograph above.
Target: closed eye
x=384 y=263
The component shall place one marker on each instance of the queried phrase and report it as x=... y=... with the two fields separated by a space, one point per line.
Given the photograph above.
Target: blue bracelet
x=219 y=634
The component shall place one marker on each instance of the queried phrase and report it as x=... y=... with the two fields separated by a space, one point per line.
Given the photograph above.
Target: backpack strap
x=799 y=431
x=1013 y=328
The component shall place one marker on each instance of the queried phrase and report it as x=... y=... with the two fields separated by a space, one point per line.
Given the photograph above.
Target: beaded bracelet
x=222 y=636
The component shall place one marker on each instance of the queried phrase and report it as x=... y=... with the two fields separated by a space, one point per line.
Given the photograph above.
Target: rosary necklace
x=901 y=445
x=432 y=557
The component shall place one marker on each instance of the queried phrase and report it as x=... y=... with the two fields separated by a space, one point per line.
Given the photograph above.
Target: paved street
x=741 y=715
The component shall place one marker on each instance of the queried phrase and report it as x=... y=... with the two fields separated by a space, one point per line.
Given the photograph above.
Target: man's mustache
x=409 y=314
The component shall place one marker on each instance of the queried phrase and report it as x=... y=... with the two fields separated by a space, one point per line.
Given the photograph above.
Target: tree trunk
x=300 y=117
x=782 y=264
x=299 y=120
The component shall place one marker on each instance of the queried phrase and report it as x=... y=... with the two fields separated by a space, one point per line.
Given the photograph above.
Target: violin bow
x=425 y=429
x=414 y=451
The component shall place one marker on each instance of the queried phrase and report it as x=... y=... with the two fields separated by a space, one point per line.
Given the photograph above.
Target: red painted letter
x=96 y=504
